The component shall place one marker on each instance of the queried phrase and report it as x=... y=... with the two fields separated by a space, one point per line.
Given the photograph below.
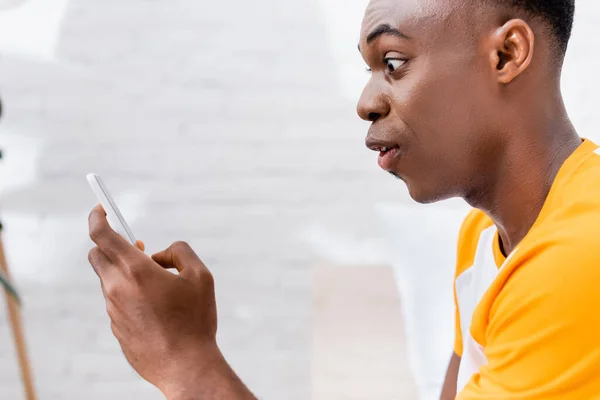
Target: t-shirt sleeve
x=543 y=335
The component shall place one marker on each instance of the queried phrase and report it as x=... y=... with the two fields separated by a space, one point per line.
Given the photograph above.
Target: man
x=464 y=100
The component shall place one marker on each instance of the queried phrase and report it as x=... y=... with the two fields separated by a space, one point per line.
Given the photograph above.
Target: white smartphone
x=113 y=215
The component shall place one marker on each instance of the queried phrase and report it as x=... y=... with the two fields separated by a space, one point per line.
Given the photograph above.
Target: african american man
x=464 y=101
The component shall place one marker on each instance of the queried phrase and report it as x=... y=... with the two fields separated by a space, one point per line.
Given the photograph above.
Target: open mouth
x=384 y=150
x=387 y=157
x=388 y=152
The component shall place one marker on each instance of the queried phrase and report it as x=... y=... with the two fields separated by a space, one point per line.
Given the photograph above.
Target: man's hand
x=165 y=323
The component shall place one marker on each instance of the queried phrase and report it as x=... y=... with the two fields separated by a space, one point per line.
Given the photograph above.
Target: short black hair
x=559 y=14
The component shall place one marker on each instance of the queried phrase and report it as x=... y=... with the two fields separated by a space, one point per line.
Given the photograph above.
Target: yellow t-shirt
x=528 y=326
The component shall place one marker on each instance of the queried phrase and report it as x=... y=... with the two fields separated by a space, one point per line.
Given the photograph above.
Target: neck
x=527 y=169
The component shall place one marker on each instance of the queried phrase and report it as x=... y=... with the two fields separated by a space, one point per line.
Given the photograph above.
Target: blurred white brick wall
x=227 y=124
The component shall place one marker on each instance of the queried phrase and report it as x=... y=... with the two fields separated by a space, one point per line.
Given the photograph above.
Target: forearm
x=449 y=388
x=217 y=382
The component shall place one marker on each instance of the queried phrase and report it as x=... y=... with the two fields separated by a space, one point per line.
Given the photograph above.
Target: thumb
x=179 y=256
x=140 y=245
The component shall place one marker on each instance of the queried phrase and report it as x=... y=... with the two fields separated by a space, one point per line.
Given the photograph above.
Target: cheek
x=438 y=104
x=440 y=111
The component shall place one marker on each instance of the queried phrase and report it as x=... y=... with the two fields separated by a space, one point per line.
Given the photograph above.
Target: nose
x=373 y=103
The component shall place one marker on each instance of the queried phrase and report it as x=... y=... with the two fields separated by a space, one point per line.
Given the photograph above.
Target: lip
x=377 y=144
x=387 y=160
x=389 y=152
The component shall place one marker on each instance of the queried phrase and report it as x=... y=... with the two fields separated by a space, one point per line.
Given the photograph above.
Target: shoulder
x=563 y=246
x=582 y=184
x=565 y=243
x=538 y=322
x=557 y=261
x=540 y=319
x=557 y=272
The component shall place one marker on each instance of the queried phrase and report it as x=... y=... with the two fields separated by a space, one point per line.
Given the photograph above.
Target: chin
x=428 y=195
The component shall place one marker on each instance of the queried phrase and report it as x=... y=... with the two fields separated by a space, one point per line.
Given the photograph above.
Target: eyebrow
x=385 y=29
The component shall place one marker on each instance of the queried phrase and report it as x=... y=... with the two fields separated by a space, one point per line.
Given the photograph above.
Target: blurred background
x=230 y=125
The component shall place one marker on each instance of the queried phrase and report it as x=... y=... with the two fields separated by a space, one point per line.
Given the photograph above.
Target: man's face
x=431 y=95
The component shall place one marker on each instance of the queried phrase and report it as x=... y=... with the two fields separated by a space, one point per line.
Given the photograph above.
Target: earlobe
x=513 y=50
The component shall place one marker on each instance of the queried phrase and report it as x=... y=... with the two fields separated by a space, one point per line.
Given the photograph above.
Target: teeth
x=384 y=149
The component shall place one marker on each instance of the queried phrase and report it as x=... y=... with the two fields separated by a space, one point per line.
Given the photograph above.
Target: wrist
x=220 y=382
x=194 y=375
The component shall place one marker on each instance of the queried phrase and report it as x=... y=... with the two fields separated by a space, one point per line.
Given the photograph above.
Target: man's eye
x=392 y=64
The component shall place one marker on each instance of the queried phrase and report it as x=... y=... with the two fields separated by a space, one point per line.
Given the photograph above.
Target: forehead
x=413 y=17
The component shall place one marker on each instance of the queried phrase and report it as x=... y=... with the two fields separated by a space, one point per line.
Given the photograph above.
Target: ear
x=512 y=49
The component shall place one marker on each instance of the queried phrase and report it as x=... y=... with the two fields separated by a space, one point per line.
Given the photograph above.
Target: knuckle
x=110 y=310
x=93 y=255
x=96 y=258
x=91 y=217
x=135 y=272
x=115 y=330
x=112 y=291
x=206 y=277
x=96 y=232
x=180 y=246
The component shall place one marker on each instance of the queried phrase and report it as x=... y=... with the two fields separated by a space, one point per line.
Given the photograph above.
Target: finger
x=99 y=261
x=179 y=256
x=102 y=266
x=116 y=331
x=113 y=245
x=140 y=245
